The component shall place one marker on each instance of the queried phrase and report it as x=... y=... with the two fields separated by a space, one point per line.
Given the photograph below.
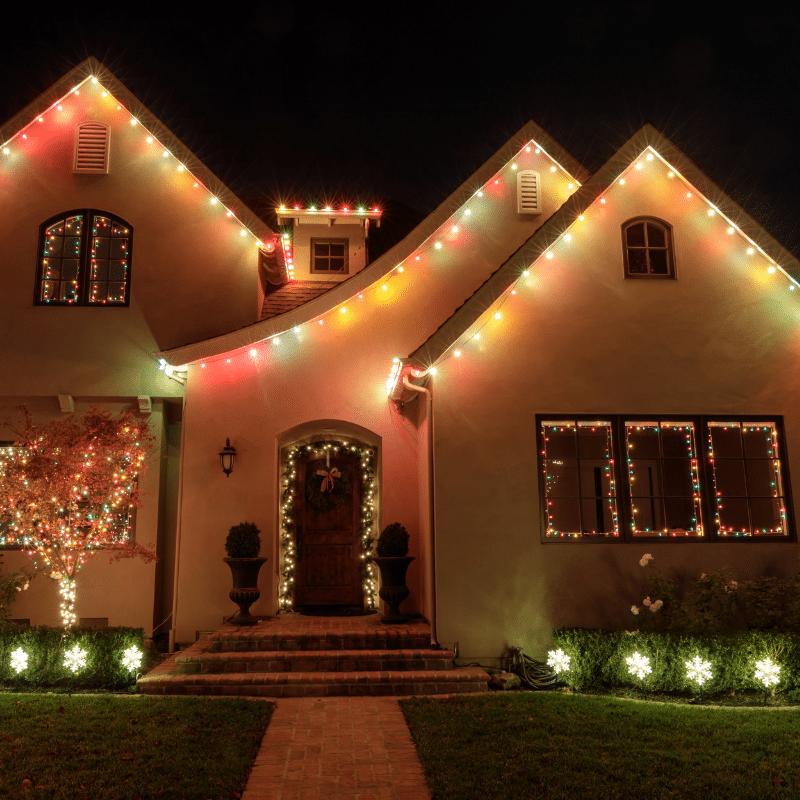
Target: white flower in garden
x=634 y=609
x=132 y=658
x=767 y=672
x=698 y=670
x=639 y=665
x=558 y=660
x=19 y=660
x=645 y=560
x=656 y=606
x=646 y=601
x=75 y=659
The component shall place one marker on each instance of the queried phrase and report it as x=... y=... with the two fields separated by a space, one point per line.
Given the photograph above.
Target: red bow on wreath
x=327 y=479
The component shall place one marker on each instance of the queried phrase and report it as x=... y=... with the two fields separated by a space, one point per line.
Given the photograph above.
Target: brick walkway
x=331 y=748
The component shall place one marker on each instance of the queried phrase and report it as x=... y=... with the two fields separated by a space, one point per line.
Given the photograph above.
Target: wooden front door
x=328 y=532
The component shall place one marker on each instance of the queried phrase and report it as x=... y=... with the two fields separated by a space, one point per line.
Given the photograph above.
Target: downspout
x=431 y=483
x=182 y=467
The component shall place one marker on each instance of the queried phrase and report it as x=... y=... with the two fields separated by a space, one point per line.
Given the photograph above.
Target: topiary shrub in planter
x=392 y=559
x=243 y=545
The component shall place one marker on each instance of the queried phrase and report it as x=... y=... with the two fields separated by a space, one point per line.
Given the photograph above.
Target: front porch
x=300 y=656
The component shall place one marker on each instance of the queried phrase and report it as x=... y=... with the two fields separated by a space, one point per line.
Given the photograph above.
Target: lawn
x=125 y=747
x=551 y=745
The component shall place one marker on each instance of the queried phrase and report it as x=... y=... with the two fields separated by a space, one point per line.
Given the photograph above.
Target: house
x=551 y=375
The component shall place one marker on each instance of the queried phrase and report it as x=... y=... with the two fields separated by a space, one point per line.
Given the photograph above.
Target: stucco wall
x=579 y=338
x=335 y=370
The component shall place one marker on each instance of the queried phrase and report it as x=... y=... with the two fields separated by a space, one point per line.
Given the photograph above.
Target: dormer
x=326 y=244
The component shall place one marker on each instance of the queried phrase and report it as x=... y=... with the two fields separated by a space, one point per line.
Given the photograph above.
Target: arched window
x=84 y=260
x=647 y=245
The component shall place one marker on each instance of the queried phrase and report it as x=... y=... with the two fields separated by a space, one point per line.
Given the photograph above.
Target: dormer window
x=84 y=260
x=647 y=245
x=329 y=256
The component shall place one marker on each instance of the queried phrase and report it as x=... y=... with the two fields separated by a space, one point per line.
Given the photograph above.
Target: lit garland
x=288 y=494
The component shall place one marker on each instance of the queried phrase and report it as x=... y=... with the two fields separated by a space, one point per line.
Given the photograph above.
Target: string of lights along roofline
x=649 y=154
x=94 y=82
x=440 y=241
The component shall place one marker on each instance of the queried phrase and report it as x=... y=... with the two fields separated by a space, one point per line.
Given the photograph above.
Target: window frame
x=705 y=473
x=667 y=228
x=330 y=240
x=84 y=259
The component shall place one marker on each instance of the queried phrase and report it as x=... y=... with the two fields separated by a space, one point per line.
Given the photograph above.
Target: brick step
x=396 y=637
x=190 y=663
x=318 y=684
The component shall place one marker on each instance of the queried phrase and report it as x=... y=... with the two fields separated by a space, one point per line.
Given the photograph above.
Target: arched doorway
x=329 y=494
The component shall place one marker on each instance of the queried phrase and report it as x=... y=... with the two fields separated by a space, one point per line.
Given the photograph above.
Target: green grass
x=122 y=748
x=553 y=746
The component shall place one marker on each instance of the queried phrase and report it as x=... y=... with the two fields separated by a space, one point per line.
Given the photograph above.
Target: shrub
x=597 y=658
x=47 y=647
x=243 y=541
x=393 y=541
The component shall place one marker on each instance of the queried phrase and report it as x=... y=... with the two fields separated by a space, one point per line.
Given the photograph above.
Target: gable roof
x=92 y=70
x=454 y=328
x=385 y=264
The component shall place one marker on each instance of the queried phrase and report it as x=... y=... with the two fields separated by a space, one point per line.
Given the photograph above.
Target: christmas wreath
x=327 y=489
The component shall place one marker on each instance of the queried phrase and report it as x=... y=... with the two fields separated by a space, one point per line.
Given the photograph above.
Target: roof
x=384 y=265
x=291 y=295
x=454 y=328
x=92 y=70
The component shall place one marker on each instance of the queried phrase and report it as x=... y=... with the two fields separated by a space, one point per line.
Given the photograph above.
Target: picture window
x=647 y=245
x=329 y=256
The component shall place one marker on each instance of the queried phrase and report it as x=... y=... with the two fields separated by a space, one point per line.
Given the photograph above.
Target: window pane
x=117 y=270
x=642 y=439
x=564 y=517
x=119 y=248
x=97 y=292
x=53 y=246
x=561 y=478
x=322 y=249
x=762 y=478
x=677 y=477
x=760 y=441
x=729 y=478
x=767 y=516
x=682 y=515
x=337 y=264
x=676 y=439
x=733 y=515
x=72 y=246
x=56 y=229
x=101 y=226
x=74 y=225
x=321 y=264
x=100 y=247
x=594 y=440
x=635 y=235
x=726 y=440
x=637 y=262
x=69 y=269
x=648 y=516
x=118 y=230
x=69 y=291
x=643 y=478
x=598 y=516
x=51 y=268
x=116 y=292
x=337 y=249
x=658 y=262
x=48 y=290
x=559 y=441
x=655 y=236
x=99 y=270
x=595 y=478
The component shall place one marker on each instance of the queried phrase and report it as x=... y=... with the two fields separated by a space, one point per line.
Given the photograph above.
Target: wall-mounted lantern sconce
x=227 y=458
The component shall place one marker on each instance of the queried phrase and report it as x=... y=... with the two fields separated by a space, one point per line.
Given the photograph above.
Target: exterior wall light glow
x=227 y=458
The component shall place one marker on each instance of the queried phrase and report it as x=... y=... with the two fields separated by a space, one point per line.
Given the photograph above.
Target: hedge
x=46 y=649
x=597 y=658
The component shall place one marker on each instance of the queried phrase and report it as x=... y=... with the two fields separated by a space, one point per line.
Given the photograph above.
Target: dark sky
x=376 y=102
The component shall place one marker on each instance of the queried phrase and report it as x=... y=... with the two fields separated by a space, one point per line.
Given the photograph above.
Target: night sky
x=401 y=103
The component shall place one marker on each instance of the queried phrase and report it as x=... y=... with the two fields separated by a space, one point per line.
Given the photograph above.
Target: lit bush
x=48 y=663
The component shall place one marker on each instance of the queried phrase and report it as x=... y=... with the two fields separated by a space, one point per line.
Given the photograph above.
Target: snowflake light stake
x=75 y=659
x=558 y=660
x=132 y=658
x=19 y=660
x=767 y=672
x=698 y=671
x=639 y=665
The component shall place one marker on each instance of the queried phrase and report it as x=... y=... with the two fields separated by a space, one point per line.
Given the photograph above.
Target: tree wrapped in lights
x=67 y=490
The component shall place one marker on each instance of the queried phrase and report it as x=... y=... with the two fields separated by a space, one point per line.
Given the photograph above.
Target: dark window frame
x=329 y=241
x=705 y=473
x=670 y=251
x=84 y=258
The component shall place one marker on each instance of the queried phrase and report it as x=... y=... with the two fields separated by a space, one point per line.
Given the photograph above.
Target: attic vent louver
x=91 y=148
x=529 y=200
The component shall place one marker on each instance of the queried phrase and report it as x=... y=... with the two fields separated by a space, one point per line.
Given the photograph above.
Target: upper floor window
x=647 y=245
x=84 y=260
x=329 y=255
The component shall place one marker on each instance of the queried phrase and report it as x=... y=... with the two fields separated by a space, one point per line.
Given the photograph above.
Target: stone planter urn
x=393 y=585
x=245 y=587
